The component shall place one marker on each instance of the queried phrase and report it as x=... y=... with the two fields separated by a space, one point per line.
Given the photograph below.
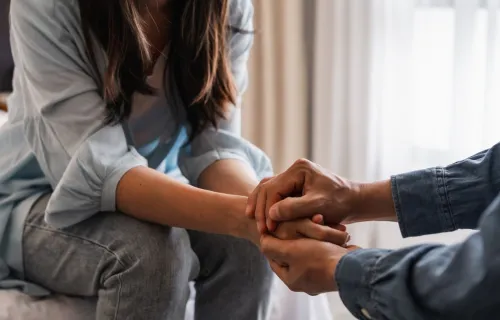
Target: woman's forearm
x=151 y=196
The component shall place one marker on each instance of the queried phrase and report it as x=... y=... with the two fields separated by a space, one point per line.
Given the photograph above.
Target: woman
x=108 y=97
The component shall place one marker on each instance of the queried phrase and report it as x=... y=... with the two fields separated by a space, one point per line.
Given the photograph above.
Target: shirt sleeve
x=226 y=142
x=447 y=198
x=428 y=281
x=56 y=92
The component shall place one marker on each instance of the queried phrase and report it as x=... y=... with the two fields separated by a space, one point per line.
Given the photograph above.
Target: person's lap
x=142 y=270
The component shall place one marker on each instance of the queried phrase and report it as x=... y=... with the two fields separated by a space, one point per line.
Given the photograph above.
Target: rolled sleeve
x=447 y=198
x=421 y=202
x=353 y=276
x=125 y=163
x=427 y=281
x=81 y=157
x=89 y=183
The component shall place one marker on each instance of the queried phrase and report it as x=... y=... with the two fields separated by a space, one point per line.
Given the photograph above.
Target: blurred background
x=366 y=88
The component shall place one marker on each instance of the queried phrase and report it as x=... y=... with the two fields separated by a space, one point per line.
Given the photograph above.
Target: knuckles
x=304 y=163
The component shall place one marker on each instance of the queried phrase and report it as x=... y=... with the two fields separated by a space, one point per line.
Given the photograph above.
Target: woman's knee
x=250 y=262
x=163 y=253
x=153 y=254
x=151 y=276
x=231 y=257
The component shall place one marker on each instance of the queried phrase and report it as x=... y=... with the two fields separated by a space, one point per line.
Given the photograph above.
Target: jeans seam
x=78 y=237
x=91 y=242
x=119 y=295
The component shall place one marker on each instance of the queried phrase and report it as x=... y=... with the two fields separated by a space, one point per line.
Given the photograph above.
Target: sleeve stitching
x=442 y=188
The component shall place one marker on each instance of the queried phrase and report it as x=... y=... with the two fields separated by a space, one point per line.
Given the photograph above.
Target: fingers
x=339 y=227
x=275 y=249
x=318 y=219
x=293 y=208
x=252 y=199
x=260 y=212
x=279 y=270
x=271 y=199
x=272 y=190
x=312 y=230
x=271 y=224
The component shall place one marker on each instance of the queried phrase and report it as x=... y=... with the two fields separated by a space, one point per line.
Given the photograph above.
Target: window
x=454 y=79
x=440 y=98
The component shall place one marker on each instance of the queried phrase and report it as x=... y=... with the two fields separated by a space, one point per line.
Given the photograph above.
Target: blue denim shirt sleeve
x=434 y=281
x=429 y=281
x=226 y=142
x=447 y=198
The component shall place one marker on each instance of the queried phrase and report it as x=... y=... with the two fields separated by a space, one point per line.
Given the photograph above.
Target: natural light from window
x=449 y=84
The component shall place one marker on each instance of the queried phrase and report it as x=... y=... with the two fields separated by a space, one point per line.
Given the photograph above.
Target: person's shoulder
x=37 y=11
x=240 y=12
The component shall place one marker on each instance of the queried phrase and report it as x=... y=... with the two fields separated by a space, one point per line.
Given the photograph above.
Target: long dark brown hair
x=197 y=56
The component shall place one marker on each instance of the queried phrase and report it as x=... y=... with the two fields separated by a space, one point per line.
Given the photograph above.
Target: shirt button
x=366 y=313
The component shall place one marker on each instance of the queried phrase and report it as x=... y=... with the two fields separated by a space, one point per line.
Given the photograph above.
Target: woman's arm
x=229 y=176
x=148 y=195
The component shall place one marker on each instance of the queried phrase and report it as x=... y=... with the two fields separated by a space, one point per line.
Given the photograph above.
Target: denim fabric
x=459 y=281
x=138 y=270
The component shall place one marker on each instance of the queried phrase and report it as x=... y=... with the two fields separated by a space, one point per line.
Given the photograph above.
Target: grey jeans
x=138 y=270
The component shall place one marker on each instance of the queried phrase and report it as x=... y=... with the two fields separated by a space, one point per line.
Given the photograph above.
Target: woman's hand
x=313 y=229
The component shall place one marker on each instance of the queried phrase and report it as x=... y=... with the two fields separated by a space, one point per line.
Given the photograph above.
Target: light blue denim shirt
x=460 y=281
x=56 y=141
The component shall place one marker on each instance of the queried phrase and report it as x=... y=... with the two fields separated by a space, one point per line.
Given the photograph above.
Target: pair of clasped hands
x=299 y=214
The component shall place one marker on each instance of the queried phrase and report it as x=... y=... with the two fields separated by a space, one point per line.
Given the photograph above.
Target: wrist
x=242 y=227
x=372 y=202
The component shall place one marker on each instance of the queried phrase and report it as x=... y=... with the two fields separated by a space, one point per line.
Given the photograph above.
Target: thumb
x=275 y=249
x=293 y=208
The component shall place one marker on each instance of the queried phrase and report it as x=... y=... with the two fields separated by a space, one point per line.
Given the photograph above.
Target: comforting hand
x=313 y=228
x=304 y=265
x=306 y=189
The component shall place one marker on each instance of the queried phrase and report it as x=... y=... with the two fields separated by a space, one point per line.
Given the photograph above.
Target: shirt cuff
x=354 y=275
x=130 y=161
x=421 y=202
x=84 y=191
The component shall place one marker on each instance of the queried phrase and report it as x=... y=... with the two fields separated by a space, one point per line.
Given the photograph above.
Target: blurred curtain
x=276 y=113
x=345 y=137
x=402 y=85
x=275 y=108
